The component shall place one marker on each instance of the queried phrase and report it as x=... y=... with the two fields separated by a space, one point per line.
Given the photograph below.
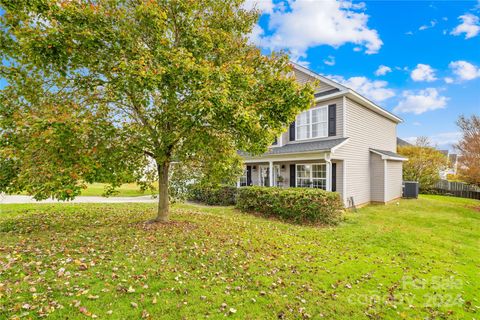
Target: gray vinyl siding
x=365 y=129
x=394 y=180
x=377 y=177
x=302 y=78
x=339 y=177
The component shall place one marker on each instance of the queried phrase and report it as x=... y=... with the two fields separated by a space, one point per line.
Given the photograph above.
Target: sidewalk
x=10 y=199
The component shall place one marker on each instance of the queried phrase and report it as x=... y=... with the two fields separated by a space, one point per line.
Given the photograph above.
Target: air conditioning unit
x=410 y=189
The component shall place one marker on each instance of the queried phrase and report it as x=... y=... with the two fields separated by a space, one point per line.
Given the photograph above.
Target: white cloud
x=432 y=24
x=263 y=6
x=464 y=70
x=421 y=101
x=409 y=33
x=375 y=90
x=255 y=37
x=330 y=61
x=382 y=70
x=448 y=80
x=443 y=139
x=310 y=23
x=423 y=72
x=470 y=26
x=416 y=123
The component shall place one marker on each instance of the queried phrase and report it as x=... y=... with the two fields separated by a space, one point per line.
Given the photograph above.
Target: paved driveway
x=4 y=199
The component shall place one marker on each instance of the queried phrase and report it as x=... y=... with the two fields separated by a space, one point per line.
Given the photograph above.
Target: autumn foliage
x=423 y=165
x=469 y=147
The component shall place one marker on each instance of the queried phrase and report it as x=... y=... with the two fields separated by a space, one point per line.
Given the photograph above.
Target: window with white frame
x=312 y=123
x=243 y=178
x=312 y=175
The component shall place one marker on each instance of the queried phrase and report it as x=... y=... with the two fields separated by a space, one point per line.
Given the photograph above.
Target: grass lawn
x=126 y=190
x=420 y=260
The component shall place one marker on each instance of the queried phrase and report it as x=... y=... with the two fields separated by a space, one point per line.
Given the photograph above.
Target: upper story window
x=312 y=123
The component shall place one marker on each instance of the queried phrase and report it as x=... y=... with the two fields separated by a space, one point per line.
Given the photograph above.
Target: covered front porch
x=311 y=172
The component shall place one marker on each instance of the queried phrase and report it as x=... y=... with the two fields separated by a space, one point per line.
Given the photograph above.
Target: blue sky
x=429 y=50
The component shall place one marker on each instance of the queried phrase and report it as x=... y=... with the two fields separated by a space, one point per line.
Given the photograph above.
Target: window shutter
x=332 y=120
x=293 y=176
x=292 y=131
x=334 y=177
x=249 y=175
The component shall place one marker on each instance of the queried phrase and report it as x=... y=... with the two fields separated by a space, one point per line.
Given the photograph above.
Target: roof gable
x=329 y=87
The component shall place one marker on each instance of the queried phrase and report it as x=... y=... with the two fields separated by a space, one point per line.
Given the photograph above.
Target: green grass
x=126 y=190
x=419 y=259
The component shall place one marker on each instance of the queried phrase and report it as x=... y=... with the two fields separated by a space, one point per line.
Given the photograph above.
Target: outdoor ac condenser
x=410 y=189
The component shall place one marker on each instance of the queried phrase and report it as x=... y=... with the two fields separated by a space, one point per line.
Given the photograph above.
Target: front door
x=265 y=175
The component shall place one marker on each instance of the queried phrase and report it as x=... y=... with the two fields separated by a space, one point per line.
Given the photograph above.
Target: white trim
x=316 y=154
x=344 y=192
x=328 y=174
x=311 y=173
x=333 y=149
x=385 y=180
x=387 y=157
x=310 y=124
x=344 y=102
x=318 y=76
x=330 y=96
x=270 y=173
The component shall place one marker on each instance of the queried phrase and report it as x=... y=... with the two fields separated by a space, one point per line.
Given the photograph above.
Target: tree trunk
x=163 y=201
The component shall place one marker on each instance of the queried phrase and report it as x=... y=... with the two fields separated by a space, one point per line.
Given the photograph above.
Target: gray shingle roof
x=388 y=153
x=402 y=143
x=444 y=152
x=299 y=147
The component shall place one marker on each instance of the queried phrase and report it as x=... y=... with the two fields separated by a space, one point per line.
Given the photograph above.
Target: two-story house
x=343 y=143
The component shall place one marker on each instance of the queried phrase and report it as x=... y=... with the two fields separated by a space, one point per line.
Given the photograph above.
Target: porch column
x=270 y=173
x=329 y=175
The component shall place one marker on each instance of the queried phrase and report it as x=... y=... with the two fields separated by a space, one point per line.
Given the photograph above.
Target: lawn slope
x=418 y=259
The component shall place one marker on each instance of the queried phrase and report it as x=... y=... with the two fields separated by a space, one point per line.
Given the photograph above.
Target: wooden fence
x=457 y=189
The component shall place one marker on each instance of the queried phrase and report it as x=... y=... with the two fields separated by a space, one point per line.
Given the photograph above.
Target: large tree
x=97 y=88
x=469 y=147
x=424 y=163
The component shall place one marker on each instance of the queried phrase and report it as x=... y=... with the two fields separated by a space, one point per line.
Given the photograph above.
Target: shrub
x=213 y=195
x=299 y=205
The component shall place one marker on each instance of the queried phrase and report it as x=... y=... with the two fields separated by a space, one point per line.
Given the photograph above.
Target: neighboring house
x=452 y=164
x=403 y=143
x=343 y=143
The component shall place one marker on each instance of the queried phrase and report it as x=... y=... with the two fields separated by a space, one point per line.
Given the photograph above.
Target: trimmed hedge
x=218 y=195
x=299 y=205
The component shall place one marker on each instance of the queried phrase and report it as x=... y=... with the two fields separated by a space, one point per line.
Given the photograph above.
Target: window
x=312 y=175
x=275 y=142
x=243 y=178
x=312 y=123
x=303 y=125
